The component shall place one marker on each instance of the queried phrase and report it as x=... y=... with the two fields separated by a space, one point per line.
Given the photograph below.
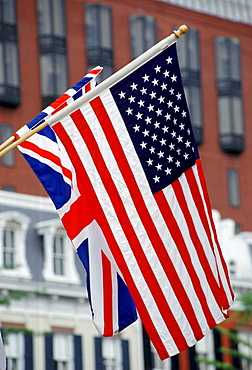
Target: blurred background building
x=47 y=46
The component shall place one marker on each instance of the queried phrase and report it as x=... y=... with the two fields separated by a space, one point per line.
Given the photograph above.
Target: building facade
x=47 y=46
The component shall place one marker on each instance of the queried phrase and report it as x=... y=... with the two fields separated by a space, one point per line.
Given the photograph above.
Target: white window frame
x=14 y=350
x=49 y=229
x=63 y=351
x=112 y=353
x=19 y=224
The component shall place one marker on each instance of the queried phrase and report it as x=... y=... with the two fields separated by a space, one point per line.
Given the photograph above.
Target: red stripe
x=107 y=296
x=61 y=106
x=219 y=292
x=126 y=225
x=82 y=218
x=88 y=87
x=47 y=155
x=209 y=209
x=59 y=101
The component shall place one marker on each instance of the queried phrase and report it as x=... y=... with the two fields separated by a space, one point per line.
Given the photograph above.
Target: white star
x=168 y=117
x=155 y=82
x=174 y=78
x=129 y=111
x=175 y=121
x=161 y=99
x=150 y=162
x=146 y=132
x=169 y=60
x=166 y=73
x=152 y=94
x=141 y=103
x=165 y=129
x=143 y=90
x=178 y=151
x=156 y=178
x=173 y=134
x=152 y=150
x=168 y=171
x=178 y=96
x=158 y=166
x=150 y=107
x=161 y=154
x=154 y=137
x=176 y=109
x=134 y=86
x=143 y=145
x=157 y=124
x=187 y=143
x=132 y=99
x=164 y=86
x=136 y=128
x=186 y=155
x=157 y=69
x=145 y=78
x=170 y=159
x=159 y=112
x=122 y=94
x=139 y=115
x=177 y=163
x=169 y=104
x=162 y=142
x=148 y=120
x=183 y=114
x=182 y=126
x=180 y=139
x=172 y=146
x=171 y=91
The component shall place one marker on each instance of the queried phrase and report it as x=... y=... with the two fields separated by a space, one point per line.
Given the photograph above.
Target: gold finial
x=182 y=29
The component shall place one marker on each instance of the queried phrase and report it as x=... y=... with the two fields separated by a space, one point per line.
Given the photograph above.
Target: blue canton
x=152 y=103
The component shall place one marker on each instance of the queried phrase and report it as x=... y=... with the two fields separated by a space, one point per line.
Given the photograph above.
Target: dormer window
x=59 y=265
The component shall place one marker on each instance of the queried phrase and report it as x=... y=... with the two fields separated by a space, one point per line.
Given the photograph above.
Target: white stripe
x=111 y=216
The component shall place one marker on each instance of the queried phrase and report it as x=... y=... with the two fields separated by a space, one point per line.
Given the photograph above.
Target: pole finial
x=181 y=31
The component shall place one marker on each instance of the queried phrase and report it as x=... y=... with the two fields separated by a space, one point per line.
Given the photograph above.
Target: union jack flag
x=139 y=199
x=50 y=161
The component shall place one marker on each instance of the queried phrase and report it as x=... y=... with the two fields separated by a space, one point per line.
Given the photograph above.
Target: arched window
x=59 y=263
x=13 y=228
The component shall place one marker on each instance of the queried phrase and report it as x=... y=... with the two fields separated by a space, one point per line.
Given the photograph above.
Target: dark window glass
x=233 y=188
x=143 y=34
x=229 y=95
x=98 y=22
x=9 y=68
x=52 y=42
x=58 y=255
x=5 y=133
x=189 y=60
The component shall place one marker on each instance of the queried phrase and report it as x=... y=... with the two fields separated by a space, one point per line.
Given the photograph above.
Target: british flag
x=111 y=304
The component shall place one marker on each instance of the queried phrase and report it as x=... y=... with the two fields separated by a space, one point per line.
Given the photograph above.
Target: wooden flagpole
x=109 y=82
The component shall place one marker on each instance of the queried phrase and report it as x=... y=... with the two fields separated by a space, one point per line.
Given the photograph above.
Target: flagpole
x=109 y=82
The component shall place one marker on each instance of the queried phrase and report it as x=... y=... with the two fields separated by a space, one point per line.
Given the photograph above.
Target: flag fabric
x=2 y=355
x=138 y=201
x=50 y=161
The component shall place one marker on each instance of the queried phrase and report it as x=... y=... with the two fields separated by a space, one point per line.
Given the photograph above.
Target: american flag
x=139 y=194
x=111 y=304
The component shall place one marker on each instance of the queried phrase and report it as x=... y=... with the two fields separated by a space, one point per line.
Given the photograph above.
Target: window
x=63 y=351
x=52 y=42
x=14 y=350
x=13 y=228
x=245 y=348
x=5 y=133
x=9 y=68
x=98 y=21
x=233 y=188
x=229 y=95
x=111 y=354
x=189 y=60
x=204 y=350
x=143 y=34
x=58 y=251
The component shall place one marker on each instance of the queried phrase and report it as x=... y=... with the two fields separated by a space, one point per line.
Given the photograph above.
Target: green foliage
x=15 y=295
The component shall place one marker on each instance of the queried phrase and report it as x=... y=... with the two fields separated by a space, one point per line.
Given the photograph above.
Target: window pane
x=237 y=115
x=60 y=74
x=11 y=60
x=92 y=29
x=224 y=114
x=105 y=24
x=45 y=26
x=233 y=188
x=143 y=34
x=8 y=248
x=47 y=74
x=2 y=74
x=9 y=14
x=6 y=132
x=58 y=15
